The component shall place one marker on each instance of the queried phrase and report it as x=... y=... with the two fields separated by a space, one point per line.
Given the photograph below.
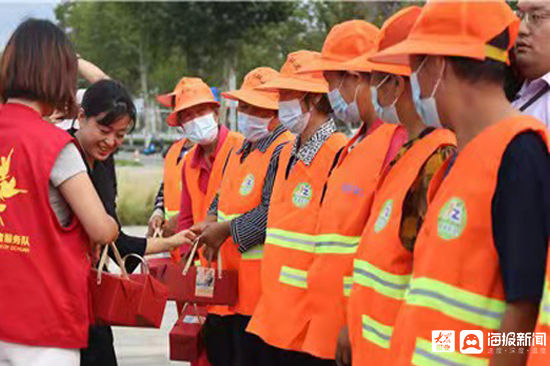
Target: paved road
x=141 y=346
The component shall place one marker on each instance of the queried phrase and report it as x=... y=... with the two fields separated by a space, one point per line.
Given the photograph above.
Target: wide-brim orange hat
x=290 y=78
x=168 y=99
x=249 y=92
x=395 y=29
x=192 y=92
x=344 y=42
x=457 y=28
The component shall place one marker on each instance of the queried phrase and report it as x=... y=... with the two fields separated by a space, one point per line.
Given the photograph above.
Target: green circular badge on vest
x=302 y=194
x=383 y=216
x=452 y=219
x=247 y=185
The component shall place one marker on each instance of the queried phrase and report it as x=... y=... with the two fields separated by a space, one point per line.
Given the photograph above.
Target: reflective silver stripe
x=379 y=280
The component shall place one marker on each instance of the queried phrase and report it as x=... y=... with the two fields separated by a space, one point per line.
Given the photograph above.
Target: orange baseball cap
x=460 y=28
x=291 y=79
x=344 y=42
x=191 y=92
x=168 y=99
x=249 y=93
x=395 y=29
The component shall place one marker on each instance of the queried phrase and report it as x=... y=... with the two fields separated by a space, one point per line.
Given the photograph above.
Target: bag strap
x=104 y=259
x=158 y=233
x=535 y=97
x=192 y=255
x=144 y=266
x=201 y=322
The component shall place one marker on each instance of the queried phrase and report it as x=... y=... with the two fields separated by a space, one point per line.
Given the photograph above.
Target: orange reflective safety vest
x=382 y=267
x=282 y=313
x=172 y=179
x=456 y=282
x=201 y=201
x=240 y=192
x=536 y=358
x=342 y=217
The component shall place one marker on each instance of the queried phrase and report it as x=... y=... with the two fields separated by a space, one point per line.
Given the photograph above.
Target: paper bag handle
x=104 y=258
x=192 y=255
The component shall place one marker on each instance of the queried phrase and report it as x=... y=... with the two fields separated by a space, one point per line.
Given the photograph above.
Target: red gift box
x=185 y=337
x=149 y=309
x=128 y=300
x=203 y=285
x=169 y=273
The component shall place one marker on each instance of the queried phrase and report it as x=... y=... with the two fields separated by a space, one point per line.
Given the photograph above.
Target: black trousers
x=292 y=358
x=228 y=344
x=218 y=339
x=100 y=351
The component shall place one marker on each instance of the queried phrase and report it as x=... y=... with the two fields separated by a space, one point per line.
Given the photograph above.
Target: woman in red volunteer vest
x=50 y=214
x=304 y=109
x=195 y=111
x=242 y=204
x=107 y=113
x=346 y=203
x=479 y=259
x=400 y=201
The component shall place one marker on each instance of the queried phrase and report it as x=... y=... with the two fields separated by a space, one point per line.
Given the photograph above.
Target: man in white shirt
x=533 y=59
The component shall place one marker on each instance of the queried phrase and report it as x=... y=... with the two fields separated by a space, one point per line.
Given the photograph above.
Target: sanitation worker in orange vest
x=304 y=109
x=383 y=261
x=195 y=111
x=242 y=204
x=479 y=258
x=167 y=200
x=345 y=205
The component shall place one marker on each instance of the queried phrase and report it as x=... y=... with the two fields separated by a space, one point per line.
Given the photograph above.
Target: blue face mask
x=425 y=107
x=348 y=113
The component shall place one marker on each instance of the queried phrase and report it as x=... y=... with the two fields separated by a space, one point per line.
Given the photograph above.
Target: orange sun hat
x=459 y=28
x=168 y=99
x=249 y=93
x=191 y=92
x=291 y=79
x=395 y=29
x=344 y=42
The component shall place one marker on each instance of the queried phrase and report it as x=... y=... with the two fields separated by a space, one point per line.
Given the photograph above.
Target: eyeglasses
x=534 y=18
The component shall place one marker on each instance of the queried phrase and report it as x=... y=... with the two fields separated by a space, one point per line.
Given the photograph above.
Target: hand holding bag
x=205 y=285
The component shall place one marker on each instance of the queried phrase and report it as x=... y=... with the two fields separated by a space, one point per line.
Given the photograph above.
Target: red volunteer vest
x=43 y=267
x=282 y=313
x=382 y=266
x=342 y=217
x=240 y=192
x=456 y=282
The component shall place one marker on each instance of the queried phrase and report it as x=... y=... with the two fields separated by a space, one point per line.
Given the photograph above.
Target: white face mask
x=252 y=127
x=292 y=117
x=347 y=113
x=201 y=130
x=386 y=113
x=426 y=107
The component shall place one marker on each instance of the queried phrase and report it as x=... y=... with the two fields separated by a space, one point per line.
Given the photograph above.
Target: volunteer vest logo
x=383 y=216
x=8 y=184
x=452 y=219
x=247 y=185
x=302 y=195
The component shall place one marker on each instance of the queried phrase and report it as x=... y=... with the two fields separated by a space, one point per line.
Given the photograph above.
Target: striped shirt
x=248 y=230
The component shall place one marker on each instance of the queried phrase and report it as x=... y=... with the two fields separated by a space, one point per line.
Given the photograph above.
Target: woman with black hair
x=106 y=115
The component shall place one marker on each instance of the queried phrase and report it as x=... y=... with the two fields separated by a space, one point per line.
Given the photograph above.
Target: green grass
x=137 y=188
x=123 y=162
